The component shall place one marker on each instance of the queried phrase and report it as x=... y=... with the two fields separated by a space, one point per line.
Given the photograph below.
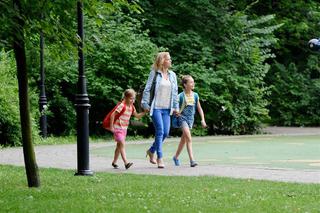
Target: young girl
x=120 y=125
x=188 y=102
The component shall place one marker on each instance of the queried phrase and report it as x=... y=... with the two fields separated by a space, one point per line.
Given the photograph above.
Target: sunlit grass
x=61 y=191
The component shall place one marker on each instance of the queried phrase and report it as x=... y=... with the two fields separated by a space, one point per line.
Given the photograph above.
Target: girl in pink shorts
x=120 y=125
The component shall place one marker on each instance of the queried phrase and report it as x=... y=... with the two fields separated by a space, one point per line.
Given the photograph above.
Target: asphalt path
x=65 y=157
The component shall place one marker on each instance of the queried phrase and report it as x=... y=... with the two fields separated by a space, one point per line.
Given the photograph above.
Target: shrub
x=9 y=102
x=10 y=129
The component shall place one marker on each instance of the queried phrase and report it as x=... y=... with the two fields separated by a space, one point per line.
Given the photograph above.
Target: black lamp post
x=42 y=98
x=82 y=104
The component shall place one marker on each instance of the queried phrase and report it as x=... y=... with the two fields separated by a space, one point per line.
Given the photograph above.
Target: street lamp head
x=314 y=44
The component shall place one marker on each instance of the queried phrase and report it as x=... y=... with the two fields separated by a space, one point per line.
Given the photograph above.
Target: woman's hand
x=203 y=124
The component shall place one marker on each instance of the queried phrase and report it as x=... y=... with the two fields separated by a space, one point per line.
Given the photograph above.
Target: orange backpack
x=106 y=120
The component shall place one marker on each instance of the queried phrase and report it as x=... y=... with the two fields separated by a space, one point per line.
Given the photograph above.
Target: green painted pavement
x=271 y=151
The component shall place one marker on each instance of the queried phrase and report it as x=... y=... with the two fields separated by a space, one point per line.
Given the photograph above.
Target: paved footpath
x=65 y=157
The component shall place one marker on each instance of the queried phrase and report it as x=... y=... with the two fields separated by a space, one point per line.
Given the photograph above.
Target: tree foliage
x=224 y=50
x=118 y=56
x=249 y=58
x=294 y=74
x=19 y=21
x=9 y=112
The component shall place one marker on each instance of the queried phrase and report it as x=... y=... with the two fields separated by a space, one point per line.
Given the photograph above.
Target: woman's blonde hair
x=159 y=60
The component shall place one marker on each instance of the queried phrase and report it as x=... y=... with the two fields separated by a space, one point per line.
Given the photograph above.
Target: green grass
x=73 y=139
x=291 y=152
x=61 y=191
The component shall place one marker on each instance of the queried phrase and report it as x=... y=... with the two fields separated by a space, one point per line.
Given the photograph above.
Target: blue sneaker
x=176 y=161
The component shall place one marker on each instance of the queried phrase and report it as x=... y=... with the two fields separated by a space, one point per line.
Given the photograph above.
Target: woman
x=161 y=104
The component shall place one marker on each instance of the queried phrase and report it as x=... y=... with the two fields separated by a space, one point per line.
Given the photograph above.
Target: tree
x=294 y=76
x=17 y=38
x=226 y=52
x=19 y=21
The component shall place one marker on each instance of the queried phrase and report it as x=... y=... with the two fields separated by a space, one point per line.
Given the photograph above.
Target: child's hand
x=146 y=110
x=203 y=123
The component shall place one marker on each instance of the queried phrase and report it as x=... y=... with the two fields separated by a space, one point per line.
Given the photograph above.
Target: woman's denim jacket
x=174 y=104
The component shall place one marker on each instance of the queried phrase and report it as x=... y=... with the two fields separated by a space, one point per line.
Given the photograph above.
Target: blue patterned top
x=188 y=112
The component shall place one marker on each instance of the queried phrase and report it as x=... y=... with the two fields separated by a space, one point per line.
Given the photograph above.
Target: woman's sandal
x=160 y=163
x=151 y=157
x=160 y=166
x=115 y=166
x=128 y=165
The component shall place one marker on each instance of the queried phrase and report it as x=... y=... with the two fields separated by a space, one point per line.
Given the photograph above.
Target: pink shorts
x=119 y=134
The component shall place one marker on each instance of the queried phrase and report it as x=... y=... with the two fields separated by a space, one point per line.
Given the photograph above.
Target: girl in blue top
x=189 y=103
x=162 y=104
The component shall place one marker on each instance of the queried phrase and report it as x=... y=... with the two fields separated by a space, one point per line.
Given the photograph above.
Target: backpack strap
x=153 y=87
x=182 y=102
x=117 y=116
x=133 y=109
x=124 y=109
x=196 y=99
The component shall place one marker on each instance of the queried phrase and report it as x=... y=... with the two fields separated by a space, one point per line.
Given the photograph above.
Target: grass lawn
x=60 y=191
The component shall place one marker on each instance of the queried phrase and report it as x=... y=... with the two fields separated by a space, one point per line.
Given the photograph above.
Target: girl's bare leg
x=188 y=141
x=123 y=152
x=116 y=154
x=180 y=146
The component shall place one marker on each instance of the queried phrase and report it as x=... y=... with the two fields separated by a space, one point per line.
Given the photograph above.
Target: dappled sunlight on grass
x=61 y=191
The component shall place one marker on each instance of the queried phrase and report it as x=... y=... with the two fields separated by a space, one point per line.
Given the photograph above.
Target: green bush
x=232 y=89
x=225 y=51
x=118 y=55
x=9 y=102
x=10 y=129
x=121 y=59
x=296 y=97
x=294 y=75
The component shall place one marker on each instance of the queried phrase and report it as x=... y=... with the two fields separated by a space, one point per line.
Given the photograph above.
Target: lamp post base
x=84 y=173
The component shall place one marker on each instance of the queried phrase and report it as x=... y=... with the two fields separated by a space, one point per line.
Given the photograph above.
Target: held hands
x=176 y=113
x=146 y=110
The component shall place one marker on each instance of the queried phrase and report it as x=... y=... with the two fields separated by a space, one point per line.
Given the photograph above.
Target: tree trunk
x=28 y=151
x=22 y=74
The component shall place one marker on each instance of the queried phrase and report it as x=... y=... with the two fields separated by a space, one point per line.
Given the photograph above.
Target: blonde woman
x=160 y=99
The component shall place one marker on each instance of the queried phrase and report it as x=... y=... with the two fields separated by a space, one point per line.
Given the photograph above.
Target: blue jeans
x=161 y=122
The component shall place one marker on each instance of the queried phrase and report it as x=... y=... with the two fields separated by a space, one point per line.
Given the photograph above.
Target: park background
x=252 y=68
x=249 y=59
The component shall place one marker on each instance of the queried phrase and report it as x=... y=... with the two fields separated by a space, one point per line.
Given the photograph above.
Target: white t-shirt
x=162 y=98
